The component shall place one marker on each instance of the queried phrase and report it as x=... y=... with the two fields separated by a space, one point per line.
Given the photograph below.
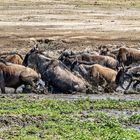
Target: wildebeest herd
x=71 y=71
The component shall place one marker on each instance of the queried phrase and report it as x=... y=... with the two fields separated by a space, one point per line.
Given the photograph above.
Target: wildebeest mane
x=35 y=51
x=25 y=61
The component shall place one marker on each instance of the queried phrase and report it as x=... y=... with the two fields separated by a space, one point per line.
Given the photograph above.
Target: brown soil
x=84 y=24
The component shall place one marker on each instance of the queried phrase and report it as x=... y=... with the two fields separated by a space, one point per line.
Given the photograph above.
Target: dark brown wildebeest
x=91 y=59
x=54 y=73
x=109 y=50
x=14 y=75
x=127 y=56
x=69 y=53
x=13 y=58
x=130 y=75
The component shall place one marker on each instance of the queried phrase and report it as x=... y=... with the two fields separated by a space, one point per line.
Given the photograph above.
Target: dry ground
x=86 y=23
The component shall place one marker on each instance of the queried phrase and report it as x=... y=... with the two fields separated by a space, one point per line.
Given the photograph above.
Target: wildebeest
x=108 y=74
x=91 y=59
x=14 y=75
x=15 y=58
x=128 y=74
x=70 y=53
x=97 y=73
x=108 y=51
x=54 y=73
x=127 y=56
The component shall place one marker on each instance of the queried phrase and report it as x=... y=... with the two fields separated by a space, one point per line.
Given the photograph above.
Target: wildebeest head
x=67 y=58
x=76 y=66
x=33 y=50
x=65 y=54
x=68 y=62
x=33 y=58
x=124 y=56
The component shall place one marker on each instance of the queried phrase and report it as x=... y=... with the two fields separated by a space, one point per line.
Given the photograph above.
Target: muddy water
x=117 y=113
x=104 y=96
x=123 y=112
x=120 y=112
x=119 y=95
x=93 y=96
x=135 y=127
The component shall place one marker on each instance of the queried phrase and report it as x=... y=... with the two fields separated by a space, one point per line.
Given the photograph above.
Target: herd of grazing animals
x=71 y=72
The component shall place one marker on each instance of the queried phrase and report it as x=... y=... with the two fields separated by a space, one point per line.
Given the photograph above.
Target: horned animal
x=91 y=59
x=96 y=71
x=127 y=56
x=54 y=72
x=130 y=74
x=13 y=58
x=14 y=75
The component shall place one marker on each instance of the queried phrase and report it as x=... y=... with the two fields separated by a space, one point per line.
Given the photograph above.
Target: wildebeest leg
x=97 y=79
x=110 y=87
x=15 y=90
x=122 y=65
x=135 y=84
x=26 y=89
x=2 y=84
x=2 y=89
x=104 y=82
x=129 y=84
x=28 y=81
x=49 y=86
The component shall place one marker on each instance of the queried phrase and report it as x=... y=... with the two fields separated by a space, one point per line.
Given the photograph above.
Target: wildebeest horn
x=127 y=67
x=64 y=49
x=72 y=53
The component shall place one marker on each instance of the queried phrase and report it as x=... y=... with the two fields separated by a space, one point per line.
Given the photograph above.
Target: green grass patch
x=25 y=118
